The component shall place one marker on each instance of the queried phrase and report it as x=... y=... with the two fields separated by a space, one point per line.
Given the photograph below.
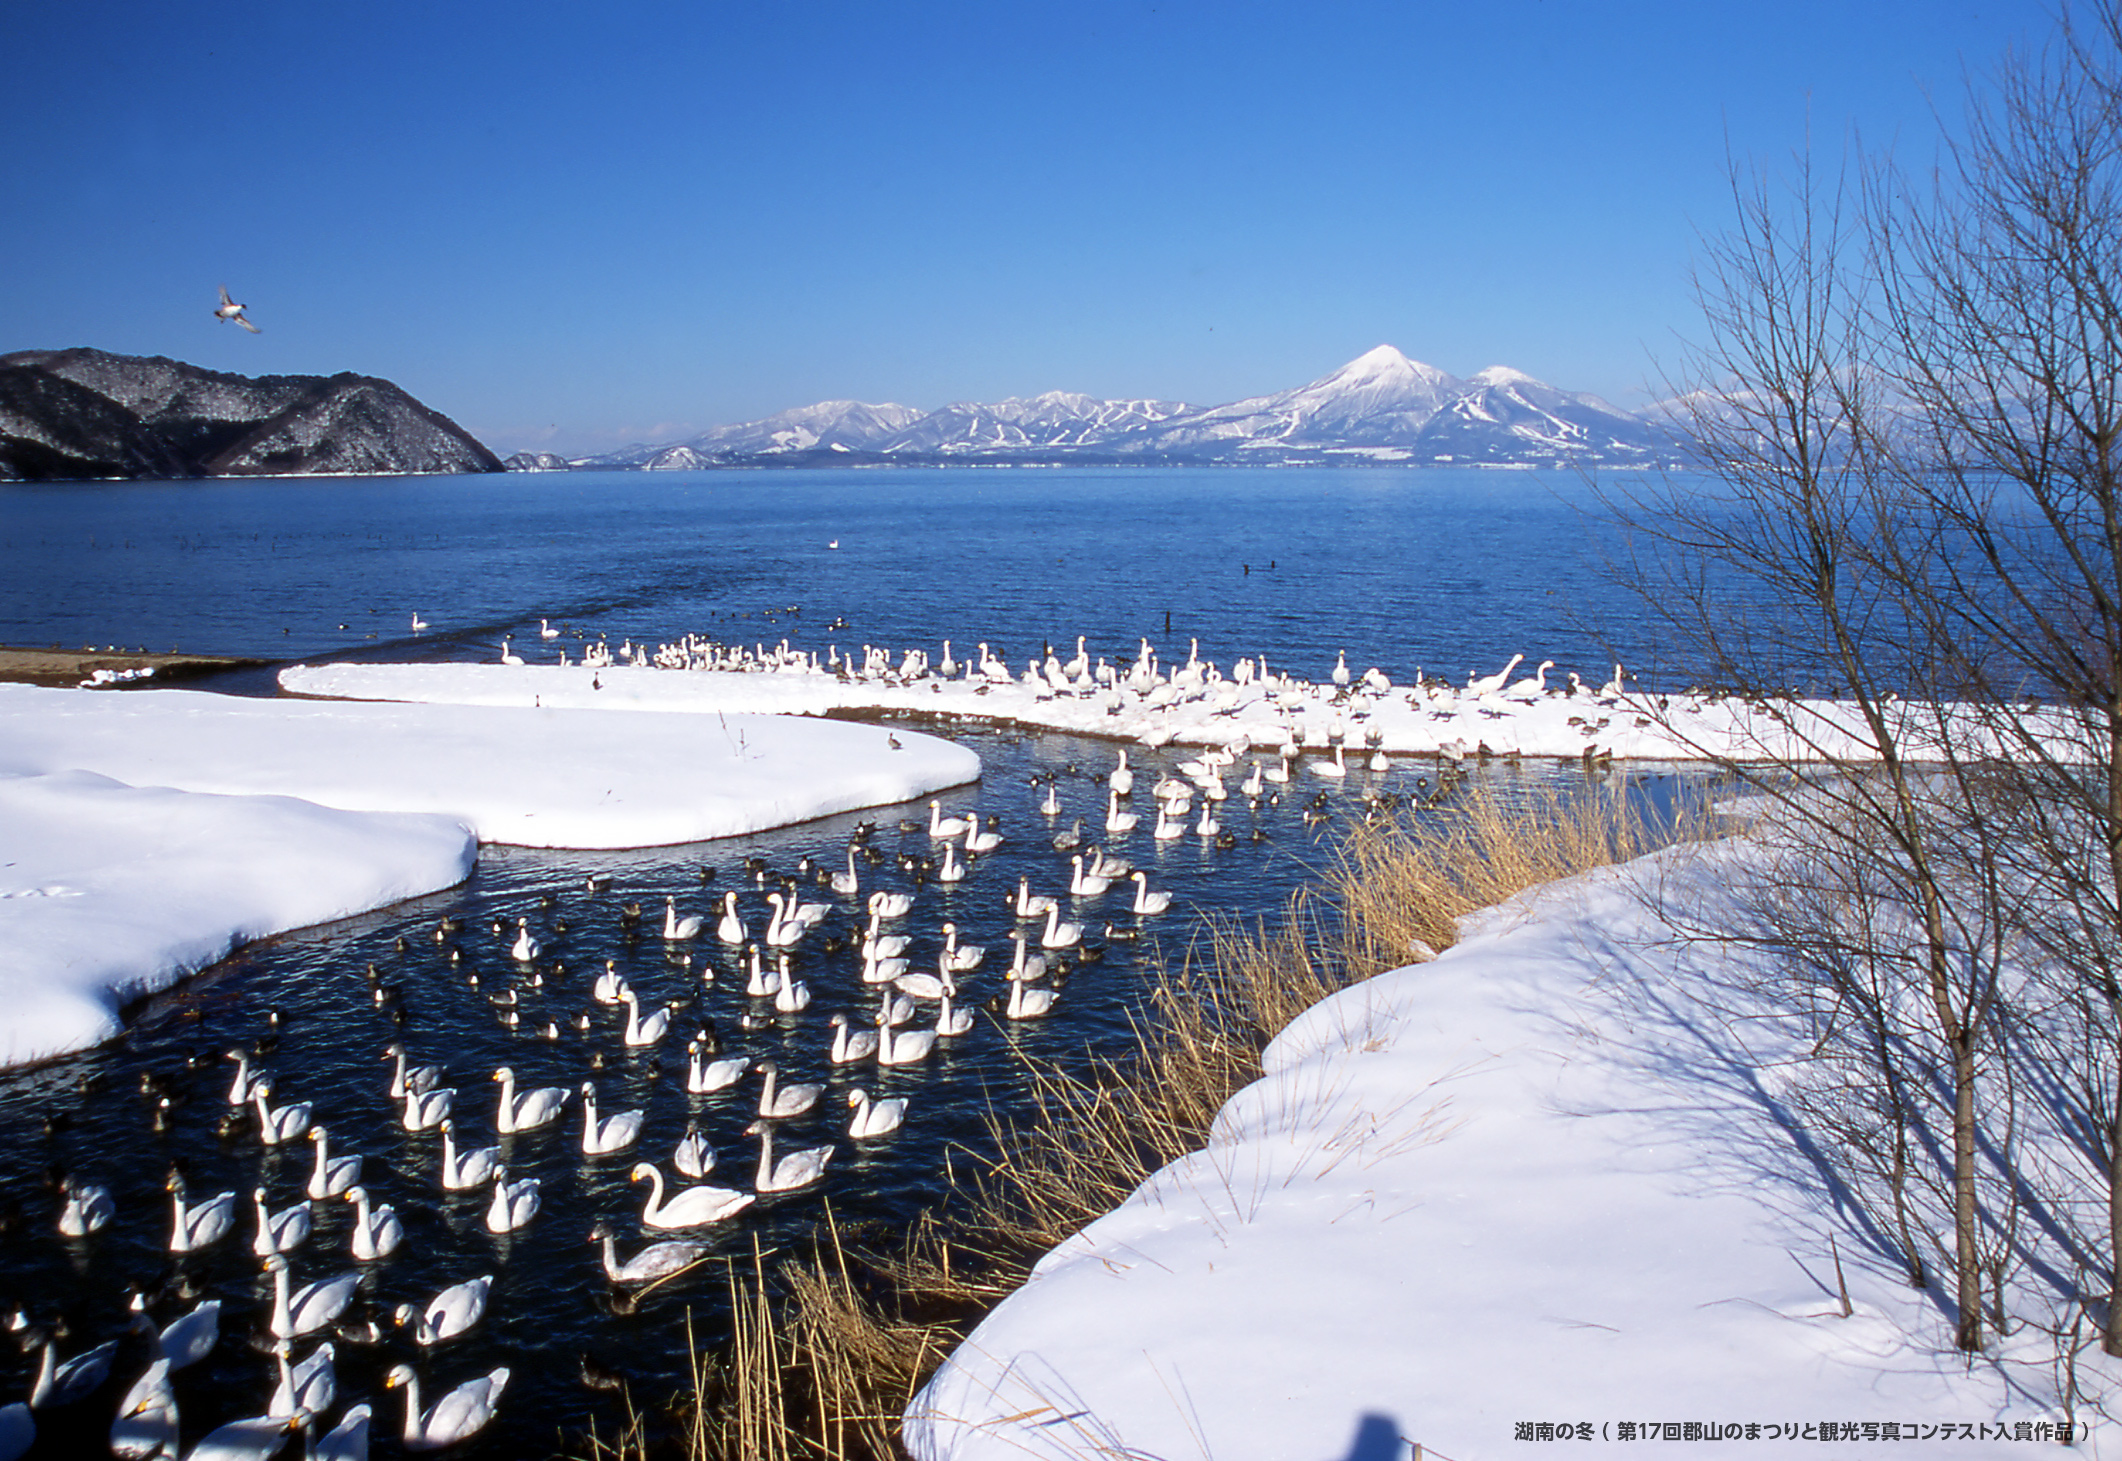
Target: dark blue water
x=1449 y=571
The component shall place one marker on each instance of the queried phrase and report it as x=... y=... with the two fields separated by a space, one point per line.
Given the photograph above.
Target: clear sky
x=581 y=225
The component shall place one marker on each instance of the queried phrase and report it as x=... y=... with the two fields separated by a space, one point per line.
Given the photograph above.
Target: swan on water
x=641 y=1031
x=940 y=826
x=610 y=986
x=509 y=656
x=849 y=883
x=426 y=1110
x=1025 y=1002
x=528 y=1111
x=1336 y=767
x=1170 y=825
x=958 y=958
x=874 y=1118
x=1082 y=884
x=902 y=1047
x=331 y=1175
x=406 y=1077
x=779 y=1102
x=311 y=1307
x=1060 y=935
x=1117 y=820
x=514 y=1203
x=278 y=1232
x=465 y=1170
x=244 y=1087
x=419 y=623
x=689 y=1207
x=951 y=1022
x=730 y=929
x=677 y=929
x=146 y=1424
x=377 y=1231
x=889 y=905
x=88 y=1206
x=457 y=1416
x=1028 y=905
x=614 y=1133
x=704 y=1076
x=795 y=1169
x=547 y=631
x=951 y=870
x=1207 y=826
x=849 y=1044
x=60 y=1384
x=525 y=948
x=448 y=1314
x=193 y=1228
x=1145 y=900
x=657 y=1260
x=792 y=995
x=1050 y=804
x=186 y=1339
x=310 y=1386
x=978 y=840
x=278 y=1126
x=1121 y=779
x=693 y=1156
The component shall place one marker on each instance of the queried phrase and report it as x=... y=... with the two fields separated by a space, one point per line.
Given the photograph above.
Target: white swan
x=639 y=1031
x=464 y=1170
x=704 y=1076
x=951 y=1023
x=978 y=840
x=693 y=1156
x=1050 y=803
x=419 y=623
x=951 y=870
x=1252 y=786
x=940 y=826
x=791 y=995
x=406 y=1077
x=849 y=883
x=1082 y=884
x=1145 y=900
x=781 y=930
x=448 y=1314
x=311 y=1307
x=1027 y=905
x=377 y=1231
x=1336 y=767
x=780 y=1102
x=63 y=1384
x=1025 y=1002
x=959 y=958
x=689 y=1207
x=1490 y=684
x=146 y=1424
x=186 y=1339
x=879 y=970
x=193 y=1228
x=547 y=631
x=245 y=1085
x=888 y=905
x=514 y=1203
x=457 y=1416
x=426 y=1110
x=657 y=1260
x=874 y=1118
x=1207 y=826
x=310 y=1386
x=730 y=929
x=279 y=1232
x=761 y=982
x=332 y=1173
x=1117 y=820
x=795 y=1169
x=614 y=1133
x=1533 y=686
x=529 y=1111
x=902 y=1047
x=280 y=1125
x=509 y=656
x=346 y=1441
x=1170 y=825
x=88 y=1206
x=1121 y=780
x=1060 y=935
x=678 y=929
x=525 y=948
x=849 y=1044
x=610 y=986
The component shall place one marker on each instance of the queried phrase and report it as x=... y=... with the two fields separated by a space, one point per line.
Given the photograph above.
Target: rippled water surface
x=1452 y=571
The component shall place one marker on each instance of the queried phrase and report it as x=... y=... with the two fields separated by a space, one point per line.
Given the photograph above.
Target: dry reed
x=830 y=1373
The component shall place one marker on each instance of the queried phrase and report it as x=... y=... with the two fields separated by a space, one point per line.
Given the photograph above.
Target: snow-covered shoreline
x=1537 y=1182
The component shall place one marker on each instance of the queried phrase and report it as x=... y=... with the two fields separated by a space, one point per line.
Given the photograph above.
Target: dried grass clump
x=829 y=1375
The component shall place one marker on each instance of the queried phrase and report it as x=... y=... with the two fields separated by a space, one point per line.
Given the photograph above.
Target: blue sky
x=578 y=226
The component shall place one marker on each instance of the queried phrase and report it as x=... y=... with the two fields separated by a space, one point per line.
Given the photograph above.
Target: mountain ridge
x=1382 y=406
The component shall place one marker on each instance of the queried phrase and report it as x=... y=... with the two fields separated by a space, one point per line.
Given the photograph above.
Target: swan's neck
x=766 y=1156
x=41 y=1392
x=412 y=1410
x=654 y=1208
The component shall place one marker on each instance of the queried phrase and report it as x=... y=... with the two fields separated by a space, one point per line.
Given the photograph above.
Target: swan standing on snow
x=689 y=1207
x=377 y=1232
x=657 y=1260
x=1490 y=684
x=448 y=1314
x=457 y=1416
x=311 y=1307
x=614 y=1133
x=529 y=1111
x=514 y=1203
x=278 y=1232
x=677 y=929
x=874 y=1118
x=464 y=1170
x=193 y=1228
x=795 y=1169
x=331 y=1175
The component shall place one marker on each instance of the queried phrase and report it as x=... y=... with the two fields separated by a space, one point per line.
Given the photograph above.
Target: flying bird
x=230 y=310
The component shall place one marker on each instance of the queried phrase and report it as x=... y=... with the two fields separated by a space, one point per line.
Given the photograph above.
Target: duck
x=278 y=1126
x=405 y=1077
x=528 y=1111
x=426 y=1110
x=194 y=1228
x=778 y=1102
x=614 y=1133
x=457 y=1416
x=377 y=1232
x=677 y=929
x=310 y=1386
x=465 y=1170
x=279 y=1232
x=693 y=1156
x=309 y=1308
x=704 y=1076
x=850 y=1046
x=689 y=1207
x=656 y=1261
x=795 y=1169
x=514 y=1203
x=874 y=1118
x=902 y=1047
x=88 y=1206
x=448 y=1314
x=331 y=1175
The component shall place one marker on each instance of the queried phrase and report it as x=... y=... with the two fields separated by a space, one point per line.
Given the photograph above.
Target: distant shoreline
x=58 y=668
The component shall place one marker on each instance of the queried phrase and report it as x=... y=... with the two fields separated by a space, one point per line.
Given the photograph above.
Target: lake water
x=1452 y=571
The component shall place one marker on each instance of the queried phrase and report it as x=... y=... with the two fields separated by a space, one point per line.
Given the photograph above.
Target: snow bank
x=1187 y=707
x=109 y=892
x=1531 y=1183
x=534 y=777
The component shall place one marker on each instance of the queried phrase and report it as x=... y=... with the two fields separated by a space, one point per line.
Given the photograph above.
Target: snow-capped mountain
x=1381 y=406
